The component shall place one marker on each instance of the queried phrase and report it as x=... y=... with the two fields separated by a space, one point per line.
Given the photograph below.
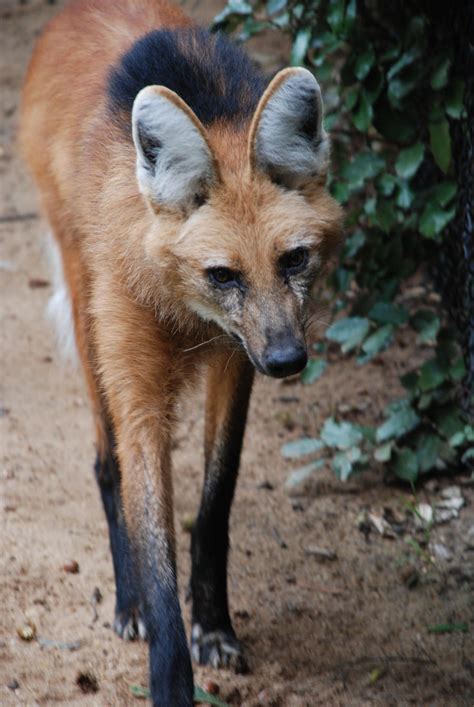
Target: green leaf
x=301 y=447
x=449 y=628
x=362 y=116
x=431 y=376
x=240 y=7
x=386 y=184
x=400 y=421
x=353 y=244
x=200 y=696
x=439 y=77
x=405 y=196
x=378 y=341
x=299 y=476
x=384 y=452
x=341 y=435
x=365 y=165
x=427 y=451
x=405 y=60
x=398 y=89
x=343 y=463
x=388 y=313
x=385 y=215
x=409 y=160
x=457 y=370
x=340 y=191
x=351 y=97
x=440 y=143
x=342 y=279
x=351 y=14
x=364 y=63
x=349 y=332
x=449 y=422
x=410 y=381
x=300 y=46
x=342 y=466
x=443 y=193
x=468 y=455
x=314 y=370
x=274 y=6
x=335 y=15
x=434 y=219
x=454 y=101
x=142 y=693
x=406 y=465
x=233 y=7
x=426 y=323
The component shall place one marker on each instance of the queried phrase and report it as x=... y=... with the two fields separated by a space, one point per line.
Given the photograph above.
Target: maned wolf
x=187 y=198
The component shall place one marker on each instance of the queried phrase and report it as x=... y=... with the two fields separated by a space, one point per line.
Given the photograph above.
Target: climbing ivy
x=392 y=94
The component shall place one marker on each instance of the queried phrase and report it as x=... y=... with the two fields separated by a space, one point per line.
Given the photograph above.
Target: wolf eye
x=222 y=276
x=294 y=260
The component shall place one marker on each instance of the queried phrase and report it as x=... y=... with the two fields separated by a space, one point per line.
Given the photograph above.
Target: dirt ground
x=347 y=631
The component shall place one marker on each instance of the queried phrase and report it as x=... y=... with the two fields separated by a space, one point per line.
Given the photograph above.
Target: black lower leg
x=213 y=638
x=127 y=624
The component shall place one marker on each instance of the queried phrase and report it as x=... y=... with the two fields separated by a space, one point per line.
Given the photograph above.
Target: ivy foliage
x=391 y=95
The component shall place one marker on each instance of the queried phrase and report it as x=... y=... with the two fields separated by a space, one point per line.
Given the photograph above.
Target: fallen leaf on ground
x=320 y=552
x=381 y=525
x=200 y=695
x=448 y=628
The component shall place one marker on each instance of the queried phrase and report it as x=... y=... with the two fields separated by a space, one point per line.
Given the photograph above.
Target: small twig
x=279 y=539
x=95 y=600
x=10 y=218
x=61 y=645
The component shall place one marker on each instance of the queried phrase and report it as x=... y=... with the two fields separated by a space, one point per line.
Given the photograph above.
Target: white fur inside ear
x=174 y=163
x=291 y=144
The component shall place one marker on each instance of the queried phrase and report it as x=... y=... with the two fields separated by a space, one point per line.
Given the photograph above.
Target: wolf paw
x=219 y=649
x=129 y=625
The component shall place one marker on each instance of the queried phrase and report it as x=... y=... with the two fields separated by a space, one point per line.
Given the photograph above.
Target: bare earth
x=318 y=632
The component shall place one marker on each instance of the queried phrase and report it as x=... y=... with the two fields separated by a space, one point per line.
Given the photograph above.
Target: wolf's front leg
x=213 y=639
x=147 y=500
x=140 y=376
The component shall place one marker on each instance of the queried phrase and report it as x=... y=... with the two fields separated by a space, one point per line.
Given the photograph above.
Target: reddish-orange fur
x=129 y=275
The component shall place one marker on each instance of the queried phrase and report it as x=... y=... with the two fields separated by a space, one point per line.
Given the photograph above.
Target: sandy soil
x=315 y=631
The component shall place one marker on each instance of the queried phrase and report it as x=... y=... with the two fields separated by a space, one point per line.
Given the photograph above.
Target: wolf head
x=242 y=216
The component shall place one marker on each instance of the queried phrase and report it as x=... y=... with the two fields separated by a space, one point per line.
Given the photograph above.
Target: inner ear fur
x=287 y=140
x=175 y=163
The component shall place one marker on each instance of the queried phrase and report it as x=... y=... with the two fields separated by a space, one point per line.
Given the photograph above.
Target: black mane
x=212 y=75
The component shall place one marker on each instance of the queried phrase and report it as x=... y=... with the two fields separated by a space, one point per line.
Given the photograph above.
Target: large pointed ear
x=287 y=139
x=175 y=164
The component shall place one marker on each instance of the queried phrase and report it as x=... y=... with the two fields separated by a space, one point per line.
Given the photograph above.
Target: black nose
x=285 y=358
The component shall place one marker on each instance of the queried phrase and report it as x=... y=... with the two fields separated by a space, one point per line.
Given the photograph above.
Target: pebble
x=72 y=567
x=409 y=576
x=424 y=514
x=211 y=687
x=442 y=552
x=27 y=632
